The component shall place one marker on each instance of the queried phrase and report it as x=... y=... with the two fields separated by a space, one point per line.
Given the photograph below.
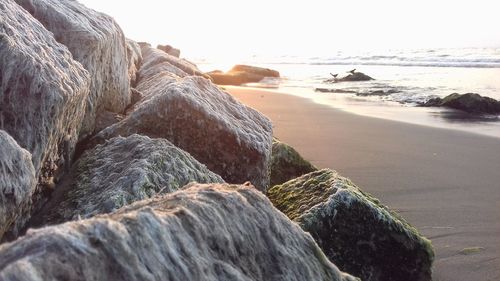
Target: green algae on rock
x=355 y=231
x=120 y=172
x=287 y=163
x=201 y=232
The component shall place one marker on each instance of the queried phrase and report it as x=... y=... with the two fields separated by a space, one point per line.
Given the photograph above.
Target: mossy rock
x=357 y=233
x=287 y=164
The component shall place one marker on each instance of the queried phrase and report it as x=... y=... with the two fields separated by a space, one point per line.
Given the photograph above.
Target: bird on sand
x=334 y=75
x=352 y=71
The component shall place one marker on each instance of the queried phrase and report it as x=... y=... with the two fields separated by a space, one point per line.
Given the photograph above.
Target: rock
x=120 y=172
x=134 y=58
x=204 y=232
x=155 y=60
x=337 y=91
x=42 y=90
x=234 y=78
x=379 y=93
x=170 y=50
x=241 y=74
x=105 y=119
x=266 y=72
x=287 y=164
x=351 y=77
x=232 y=139
x=17 y=185
x=471 y=103
x=355 y=231
x=96 y=41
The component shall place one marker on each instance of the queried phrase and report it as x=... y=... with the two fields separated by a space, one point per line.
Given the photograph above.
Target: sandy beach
x=444 y=182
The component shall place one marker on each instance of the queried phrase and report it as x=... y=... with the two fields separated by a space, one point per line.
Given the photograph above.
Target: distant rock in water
x=242 y=74
x=98 y=43
x=169 y=50
x=355 y=231
x=120 y=172
x=287 y=163
x=471 y=103
x=351 y=77
x=17 y=185
x=203 y=232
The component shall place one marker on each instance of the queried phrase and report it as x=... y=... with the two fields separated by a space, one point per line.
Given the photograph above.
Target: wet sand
x=444 y=182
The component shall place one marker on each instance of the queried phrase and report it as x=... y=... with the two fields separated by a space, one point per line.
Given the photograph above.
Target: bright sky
x=230 y=28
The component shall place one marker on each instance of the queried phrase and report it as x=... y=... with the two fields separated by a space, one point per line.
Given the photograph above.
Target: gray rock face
x=17 y=184
x=154 y=60
x=233 y=140
x=471 y=103
x=134 y=58
x=355 y=231
x=42 y=90
x=204 y=232
x=96 y=41
x=287 y=163
x=122 y=171
x=169 y=50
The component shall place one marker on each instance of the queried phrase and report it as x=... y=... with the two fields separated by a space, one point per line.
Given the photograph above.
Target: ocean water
x=403 y=78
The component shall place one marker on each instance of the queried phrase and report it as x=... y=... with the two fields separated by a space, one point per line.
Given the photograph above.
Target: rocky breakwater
x=204 y=232
x=120 y=172
x=241 y=74
x=230 y=138
x=42 y=93
x=97 y=42
x=17 y=185
x=355 y=231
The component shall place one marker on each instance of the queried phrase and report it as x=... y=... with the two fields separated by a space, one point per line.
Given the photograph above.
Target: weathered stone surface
x=154 y=60
x=96 y=41
x=266 y=72
x=351 y=77
x=241 y=74
x=17 y=184
x=355 y=231
x=170 y=50
x=232 y=139
x=287 y=164
x=134 y=58
x=122 y=171
x=42 y=91
x=471 y=103
x=204 y=232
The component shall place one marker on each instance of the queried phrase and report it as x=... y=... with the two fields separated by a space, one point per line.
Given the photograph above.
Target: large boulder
x=134 y=58
x=17 y=184
x=42 y=91
x=287 y=163
x=119 y=172
x=204 y=232
x=154 y=60
x=242 y=74
x=232 y=139
x=266 y=72
x=471 y=103
x=170 y=50
x=355 y=231
x=98 y=43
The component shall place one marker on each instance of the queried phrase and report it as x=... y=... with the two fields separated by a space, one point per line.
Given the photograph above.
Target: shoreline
x=443 y=181
x=433 y=117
